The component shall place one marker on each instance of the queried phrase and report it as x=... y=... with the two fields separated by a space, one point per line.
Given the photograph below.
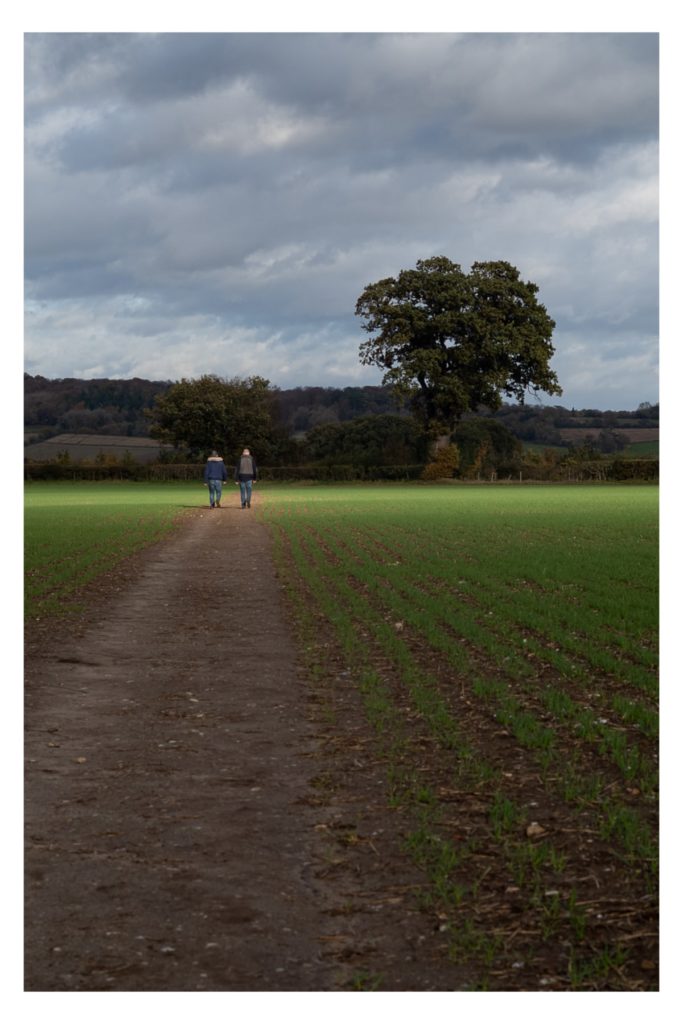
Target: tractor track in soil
x=177 y=833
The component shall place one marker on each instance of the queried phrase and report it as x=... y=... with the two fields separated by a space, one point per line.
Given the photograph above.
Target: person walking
x=215 y=475
x=246 y=475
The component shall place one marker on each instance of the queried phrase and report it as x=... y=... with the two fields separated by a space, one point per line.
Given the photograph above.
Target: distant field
x=642 y=443
x=534 y=446
x=632 y=434
x=90 y=446
x=641 y=450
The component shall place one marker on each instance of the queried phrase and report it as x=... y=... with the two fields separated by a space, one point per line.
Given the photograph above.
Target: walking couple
x=215 y=475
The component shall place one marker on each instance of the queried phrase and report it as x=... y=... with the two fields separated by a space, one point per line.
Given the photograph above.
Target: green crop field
x=640 y=450
x=75 y=532
x=501 y=645
x=503 y=642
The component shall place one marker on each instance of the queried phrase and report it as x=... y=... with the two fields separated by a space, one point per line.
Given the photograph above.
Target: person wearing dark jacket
x=246 y=474
x=215 y=475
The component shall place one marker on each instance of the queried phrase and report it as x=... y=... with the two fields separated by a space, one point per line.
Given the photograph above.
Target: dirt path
x=175 y=838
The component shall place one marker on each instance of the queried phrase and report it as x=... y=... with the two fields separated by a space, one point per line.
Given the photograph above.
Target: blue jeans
x=215 y=491
x=245 y=492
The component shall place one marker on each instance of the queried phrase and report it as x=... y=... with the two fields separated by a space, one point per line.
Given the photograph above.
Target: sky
x=216 y=202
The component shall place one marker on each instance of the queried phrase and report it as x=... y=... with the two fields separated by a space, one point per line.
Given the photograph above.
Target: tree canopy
x=485 y=444
x=383 y=440
x=214 y=412
x=451 y=342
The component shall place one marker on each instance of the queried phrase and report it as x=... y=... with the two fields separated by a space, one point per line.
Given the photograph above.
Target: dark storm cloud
x=241 y=190
x=382 y=98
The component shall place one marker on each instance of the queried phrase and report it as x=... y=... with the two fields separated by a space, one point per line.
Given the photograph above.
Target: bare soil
x=196 y=819
x=632 y=434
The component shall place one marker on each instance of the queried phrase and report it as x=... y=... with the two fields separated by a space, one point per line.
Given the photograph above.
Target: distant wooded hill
x=117 y=407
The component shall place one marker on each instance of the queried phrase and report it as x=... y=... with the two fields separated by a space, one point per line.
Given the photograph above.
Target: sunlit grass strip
x=75 y=533
x=83 y=557
x=604 y=565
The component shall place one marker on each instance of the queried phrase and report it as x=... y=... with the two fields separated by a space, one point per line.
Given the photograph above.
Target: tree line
x=451 y=344
x=104 y=406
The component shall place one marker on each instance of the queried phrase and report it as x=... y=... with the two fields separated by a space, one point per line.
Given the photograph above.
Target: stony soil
x=195 y=819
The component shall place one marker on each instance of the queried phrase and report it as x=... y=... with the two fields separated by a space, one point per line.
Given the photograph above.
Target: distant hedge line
x=614 y=469
x=341 y=473
x=170 y=471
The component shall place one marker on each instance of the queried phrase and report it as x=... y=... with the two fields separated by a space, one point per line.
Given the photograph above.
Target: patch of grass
x=504 y=816
x=365 y=981
x=635 y=713
x=469 y=942
x=74 y=533
x=593 y=971
x=624 y=825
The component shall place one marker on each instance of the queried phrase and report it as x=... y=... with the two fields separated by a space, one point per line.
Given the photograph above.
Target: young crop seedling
x=503 y=642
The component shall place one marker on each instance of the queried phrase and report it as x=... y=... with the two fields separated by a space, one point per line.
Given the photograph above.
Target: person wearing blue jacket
x=215 y=475
x=246 y=475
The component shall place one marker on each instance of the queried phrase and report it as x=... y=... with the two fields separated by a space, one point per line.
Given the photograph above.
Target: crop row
x=419 y=660
x=67 y=549
x=429 y=614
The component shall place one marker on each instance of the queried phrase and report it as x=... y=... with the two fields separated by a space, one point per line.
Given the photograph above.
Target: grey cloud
x=250 y=186
x=562 y=93
x=566 y=88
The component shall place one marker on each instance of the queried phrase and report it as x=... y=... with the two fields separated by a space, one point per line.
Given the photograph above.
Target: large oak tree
x=452 y=341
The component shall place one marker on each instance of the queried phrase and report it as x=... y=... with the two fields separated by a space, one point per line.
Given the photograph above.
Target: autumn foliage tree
x=486 y=446
x=451 y=342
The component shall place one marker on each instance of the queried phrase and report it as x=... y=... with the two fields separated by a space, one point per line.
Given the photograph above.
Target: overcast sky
x=217 y=203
